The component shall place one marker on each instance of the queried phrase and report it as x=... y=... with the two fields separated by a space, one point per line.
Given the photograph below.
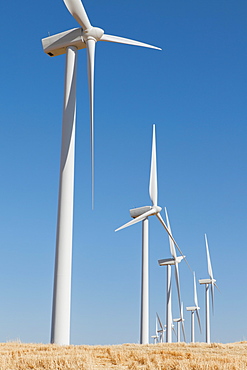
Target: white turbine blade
x=90 y=70
x=182 y=322
x=196 y=303
x=178 y=286
x=173 y=325
x=174 y=331
x=166 y=228
x=217 y=287
x=160 y=323
x=182 y=311
x=210 y=271
x=195 y=292
x=179 y=299
x=153 y=188
x=77 y=10
x=123 y=40
x=212 y=291
x=137 y=219
x=212 y=294
x=172 y=248
x=198 y=319
x=168 y=232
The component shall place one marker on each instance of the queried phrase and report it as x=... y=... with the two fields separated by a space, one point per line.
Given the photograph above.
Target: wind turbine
x=211 y=281
x=142 y=214
x=179 y=321
x=69 y=42
x=194 y=309
x=83 y=37
x=174 y=260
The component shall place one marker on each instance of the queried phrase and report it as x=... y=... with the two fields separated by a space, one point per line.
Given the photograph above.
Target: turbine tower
x=142 y=214
x=211 y=281
x=69 y=42
x=168 y=262
x=194 y=309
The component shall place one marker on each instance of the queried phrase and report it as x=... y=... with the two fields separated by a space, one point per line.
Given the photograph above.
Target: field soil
x=164 y=356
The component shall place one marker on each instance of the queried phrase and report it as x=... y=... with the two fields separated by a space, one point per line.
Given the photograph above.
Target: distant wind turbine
x=69 y=42
x=142 y=214
x=194 y=309
x=212 y=282
x=168 y=262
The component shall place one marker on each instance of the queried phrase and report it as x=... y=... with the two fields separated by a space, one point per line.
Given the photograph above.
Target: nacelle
x=57 y=44
x=135 y=212
x=166 y=261
x=207 y=281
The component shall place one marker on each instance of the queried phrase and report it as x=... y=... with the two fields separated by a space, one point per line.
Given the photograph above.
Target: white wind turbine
x=142 y=214
x=69 y=42
x=211 y=281
x=83 y=37
x=194 y=309
x=168 y=262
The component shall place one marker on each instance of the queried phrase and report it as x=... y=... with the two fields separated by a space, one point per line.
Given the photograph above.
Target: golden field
x=164 y=356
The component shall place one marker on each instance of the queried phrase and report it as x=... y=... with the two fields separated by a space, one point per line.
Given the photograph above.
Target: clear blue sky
x=195 y=91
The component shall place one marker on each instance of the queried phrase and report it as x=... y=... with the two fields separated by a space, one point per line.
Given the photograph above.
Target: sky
x=195 y=91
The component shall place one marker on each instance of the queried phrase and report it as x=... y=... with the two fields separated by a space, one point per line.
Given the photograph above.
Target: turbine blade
x=182 y=311
x=181 y=307
x=174 y=331
x=160 y=323
x=168 y=232
x=217 y=287
x=77 y=10
x=182 y=320
x=90 y=64
x=178 y=287
x=137 y=219
x=153 y=188
x=210 y=270
x=172 y=248
x=195 y=292
x=198 y=319
x=123 y=40
x=212 y=294
x=183 y=330
x=166 y=228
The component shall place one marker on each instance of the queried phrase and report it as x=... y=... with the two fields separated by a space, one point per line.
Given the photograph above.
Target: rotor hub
x=157 y=209
x=94 y=33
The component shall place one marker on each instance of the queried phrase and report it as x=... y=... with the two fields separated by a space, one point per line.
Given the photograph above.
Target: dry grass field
x=18 y=356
